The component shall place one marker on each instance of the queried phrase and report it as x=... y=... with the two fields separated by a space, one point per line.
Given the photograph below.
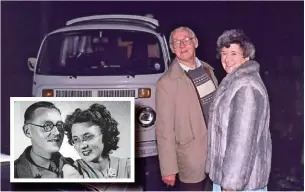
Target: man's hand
x=169 y=180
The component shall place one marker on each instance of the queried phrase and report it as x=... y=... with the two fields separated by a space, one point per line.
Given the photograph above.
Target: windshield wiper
x=73 y=76
x=132 y=74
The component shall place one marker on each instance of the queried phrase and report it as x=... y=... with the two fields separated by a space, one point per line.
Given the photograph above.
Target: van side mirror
x=32 y=63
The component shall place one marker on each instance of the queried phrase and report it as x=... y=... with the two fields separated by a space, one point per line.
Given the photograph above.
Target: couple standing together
x=93 y=133
x=205 y=129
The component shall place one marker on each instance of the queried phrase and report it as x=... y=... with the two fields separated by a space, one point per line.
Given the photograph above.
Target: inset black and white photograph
x=72 y=139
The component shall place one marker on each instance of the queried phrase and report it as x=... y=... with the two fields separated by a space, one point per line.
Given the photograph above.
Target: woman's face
x=87 y=139
x=232 y=57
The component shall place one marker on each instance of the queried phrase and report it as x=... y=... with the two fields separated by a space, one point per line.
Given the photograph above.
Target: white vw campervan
x=106 y=56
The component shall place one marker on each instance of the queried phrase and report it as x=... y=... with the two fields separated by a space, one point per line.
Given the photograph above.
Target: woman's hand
x=70 y=172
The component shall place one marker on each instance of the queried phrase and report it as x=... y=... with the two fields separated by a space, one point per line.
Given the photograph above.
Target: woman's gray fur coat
x=239 y=142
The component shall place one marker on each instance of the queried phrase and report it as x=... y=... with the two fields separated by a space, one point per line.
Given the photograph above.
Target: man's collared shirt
x=25 y=167
x=187 y=68
x=203 y=82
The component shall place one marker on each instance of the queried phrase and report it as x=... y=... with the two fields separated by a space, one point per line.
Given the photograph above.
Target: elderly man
x=183 y=96
x=43 y=125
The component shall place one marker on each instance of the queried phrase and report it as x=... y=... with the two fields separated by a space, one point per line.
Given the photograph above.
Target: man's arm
x=242 y=136
x=165 y=109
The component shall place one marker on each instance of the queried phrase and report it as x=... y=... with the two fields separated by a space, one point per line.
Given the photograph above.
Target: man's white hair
x=182 y=28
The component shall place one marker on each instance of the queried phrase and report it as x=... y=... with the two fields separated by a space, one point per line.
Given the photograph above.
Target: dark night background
x=276 y=28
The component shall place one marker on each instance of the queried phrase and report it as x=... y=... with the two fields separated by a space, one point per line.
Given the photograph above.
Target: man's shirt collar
x=187 y=68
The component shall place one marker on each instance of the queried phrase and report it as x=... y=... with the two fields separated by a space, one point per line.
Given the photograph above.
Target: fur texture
x=239 y=142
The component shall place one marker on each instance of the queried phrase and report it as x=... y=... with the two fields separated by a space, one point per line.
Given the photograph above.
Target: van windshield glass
x=101 y=52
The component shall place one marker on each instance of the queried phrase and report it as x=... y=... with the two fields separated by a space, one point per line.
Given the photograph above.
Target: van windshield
x=101 y=52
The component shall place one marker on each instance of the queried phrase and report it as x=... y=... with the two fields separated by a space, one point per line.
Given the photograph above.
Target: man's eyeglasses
x=86 y=138
x=48 y=126
x=185 y=41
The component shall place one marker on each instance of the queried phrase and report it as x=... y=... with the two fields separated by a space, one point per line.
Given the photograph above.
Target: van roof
x=104 y=26
x=137 y=19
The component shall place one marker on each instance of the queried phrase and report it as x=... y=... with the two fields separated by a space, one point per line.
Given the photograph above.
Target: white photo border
x=73 y=180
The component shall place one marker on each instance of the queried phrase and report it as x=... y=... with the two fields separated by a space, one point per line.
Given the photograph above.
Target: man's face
x=44 y=142
x=184 y=45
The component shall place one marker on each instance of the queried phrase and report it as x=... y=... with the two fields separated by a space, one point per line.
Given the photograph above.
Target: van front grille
x=96 y=93
x=73 y=93
x=117 y=93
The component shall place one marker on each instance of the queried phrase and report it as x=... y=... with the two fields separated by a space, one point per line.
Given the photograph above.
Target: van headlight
x=146 y=116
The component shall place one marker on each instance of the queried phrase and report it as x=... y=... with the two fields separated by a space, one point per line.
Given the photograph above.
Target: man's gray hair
x=182 y=28
x=236 y=36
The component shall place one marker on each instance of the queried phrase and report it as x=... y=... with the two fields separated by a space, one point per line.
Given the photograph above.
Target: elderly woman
x=239 y=142
x=94 y=135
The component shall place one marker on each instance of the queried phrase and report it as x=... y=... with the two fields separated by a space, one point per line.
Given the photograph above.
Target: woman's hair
x=98 y=115
x=236 y=36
